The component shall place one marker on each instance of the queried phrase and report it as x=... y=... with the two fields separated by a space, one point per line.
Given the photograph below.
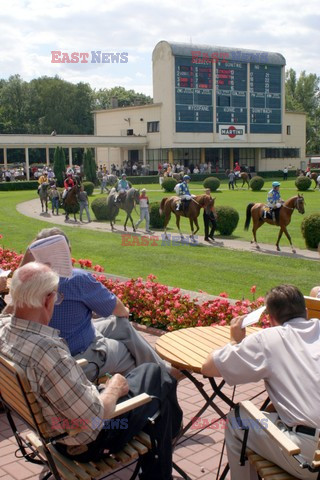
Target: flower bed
x=156 y=305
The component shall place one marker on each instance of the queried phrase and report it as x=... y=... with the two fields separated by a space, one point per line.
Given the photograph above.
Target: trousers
x=144 y=214
x=117 y=348
x=260 y=442
x=155 y=381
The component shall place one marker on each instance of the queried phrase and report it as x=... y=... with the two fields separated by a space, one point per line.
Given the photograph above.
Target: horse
x=244 y=176
x=71 y=203
x=168 y=206
x=256 y=211
x=314 y=177
x=126 y=202
x=178 y=176
x=44 y=195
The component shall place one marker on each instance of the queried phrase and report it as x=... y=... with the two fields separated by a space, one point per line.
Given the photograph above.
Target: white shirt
x=287 y=358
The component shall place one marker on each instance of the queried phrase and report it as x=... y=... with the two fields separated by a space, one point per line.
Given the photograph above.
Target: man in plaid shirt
x=65 y=394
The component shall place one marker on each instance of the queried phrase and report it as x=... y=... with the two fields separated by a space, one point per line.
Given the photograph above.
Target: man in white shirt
x=287 y=358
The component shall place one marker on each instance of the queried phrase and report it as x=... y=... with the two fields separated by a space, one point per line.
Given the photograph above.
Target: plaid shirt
x=66 y=397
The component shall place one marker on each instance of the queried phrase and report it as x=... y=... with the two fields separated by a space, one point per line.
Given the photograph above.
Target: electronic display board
x=193 y=85
x=231 y=94
x=265 y=98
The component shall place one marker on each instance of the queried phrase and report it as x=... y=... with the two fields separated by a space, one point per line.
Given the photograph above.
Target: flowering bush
x=157 y=305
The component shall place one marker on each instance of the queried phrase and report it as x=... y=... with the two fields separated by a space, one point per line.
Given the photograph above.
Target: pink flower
x=253 y=289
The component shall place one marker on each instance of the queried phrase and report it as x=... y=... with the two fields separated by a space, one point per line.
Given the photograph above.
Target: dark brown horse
x=314 y=177
x=168 y=206
x=256 y=211
x=71 y=203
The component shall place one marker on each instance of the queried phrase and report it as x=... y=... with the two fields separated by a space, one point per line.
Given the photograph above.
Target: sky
x=32 y=29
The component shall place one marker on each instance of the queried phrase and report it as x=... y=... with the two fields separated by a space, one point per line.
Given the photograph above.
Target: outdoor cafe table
x=188 y=348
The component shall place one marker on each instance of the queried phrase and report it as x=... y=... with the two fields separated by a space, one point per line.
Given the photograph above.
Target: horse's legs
x=285 y=231
x=125 y=223
x=129 y=216
x=166 y=221
x=196 y=224
x=256 y=225
x=178 y=225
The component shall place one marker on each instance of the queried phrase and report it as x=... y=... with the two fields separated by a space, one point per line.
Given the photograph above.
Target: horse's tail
x=248 y=216
x=163 y=201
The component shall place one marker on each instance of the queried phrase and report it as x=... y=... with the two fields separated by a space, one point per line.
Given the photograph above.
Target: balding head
x=31 y=284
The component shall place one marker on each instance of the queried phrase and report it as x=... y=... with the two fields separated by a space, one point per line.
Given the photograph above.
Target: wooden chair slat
x=144 y=438
x=129 y=450
x=69 y=464
x=139 y=447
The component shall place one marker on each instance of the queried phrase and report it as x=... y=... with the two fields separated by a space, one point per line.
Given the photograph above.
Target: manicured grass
x=213 y=270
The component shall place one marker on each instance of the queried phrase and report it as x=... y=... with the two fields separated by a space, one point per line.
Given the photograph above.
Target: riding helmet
x=276 y=184
x=186 y=177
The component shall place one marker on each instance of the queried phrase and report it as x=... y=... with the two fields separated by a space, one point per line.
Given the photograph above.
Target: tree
x=123 y=97
x=59 y=165
x=89 y=166
x=302 y=95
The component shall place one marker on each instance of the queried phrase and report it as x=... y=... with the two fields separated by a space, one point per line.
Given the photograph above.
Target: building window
x=281 y=153
x=288 y=129
x=153 y=127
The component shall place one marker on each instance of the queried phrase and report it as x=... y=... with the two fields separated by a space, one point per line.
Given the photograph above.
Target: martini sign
x=234 y=133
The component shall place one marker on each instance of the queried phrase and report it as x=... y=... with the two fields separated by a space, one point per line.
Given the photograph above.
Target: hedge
x=168 y=184
x=227 y=220
x=212 y=182
x=310 y=228
x=303 y=183
x=100 y=209
x=88 y=187
x=156 y=220
x=256 y=183
x=21 y=185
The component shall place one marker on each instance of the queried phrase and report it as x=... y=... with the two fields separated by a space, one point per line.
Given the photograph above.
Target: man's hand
x=118 y=385
x=237 y=333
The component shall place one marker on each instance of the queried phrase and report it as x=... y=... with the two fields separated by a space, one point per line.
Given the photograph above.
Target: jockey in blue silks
x=183 y=191
x=274 y=199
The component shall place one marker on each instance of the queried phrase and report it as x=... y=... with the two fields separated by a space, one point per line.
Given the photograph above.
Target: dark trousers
x=209 y=220
x=155 y=381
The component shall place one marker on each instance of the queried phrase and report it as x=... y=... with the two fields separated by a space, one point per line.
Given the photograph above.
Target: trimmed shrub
x=212 y=182
x=88 y=187
x=303 y=183
x=168 y=184
x=156 y=220
x=100 y=209
x=23 y=185
x=310 y=228
x=256 y=183
x=227 y=221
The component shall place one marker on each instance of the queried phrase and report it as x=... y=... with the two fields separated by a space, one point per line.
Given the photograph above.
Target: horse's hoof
x=294 y=250
x=258 y=247
x=278 y=249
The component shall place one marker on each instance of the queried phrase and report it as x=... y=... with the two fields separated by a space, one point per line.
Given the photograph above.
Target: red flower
x=253 y=289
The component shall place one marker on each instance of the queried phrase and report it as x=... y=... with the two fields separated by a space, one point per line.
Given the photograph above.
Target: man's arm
x=237 y=334
x=120 y=310
x=116 y=388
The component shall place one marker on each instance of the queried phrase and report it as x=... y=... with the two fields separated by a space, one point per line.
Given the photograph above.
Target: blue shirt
x=184 y=189
x=83 y=294
x=273 y=197
x=123 y=185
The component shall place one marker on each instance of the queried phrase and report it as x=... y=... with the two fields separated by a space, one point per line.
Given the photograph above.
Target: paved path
x=32 y=209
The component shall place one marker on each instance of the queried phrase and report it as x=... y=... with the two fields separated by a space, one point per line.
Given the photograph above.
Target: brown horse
x=256 y=211
x=314 y=177
x=71 y=203
x=244 y=176
x=168 y=206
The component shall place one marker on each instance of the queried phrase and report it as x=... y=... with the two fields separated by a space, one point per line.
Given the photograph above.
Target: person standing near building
x=84 y=203
x=144 y=210
x=285 y=173
x=209 y=219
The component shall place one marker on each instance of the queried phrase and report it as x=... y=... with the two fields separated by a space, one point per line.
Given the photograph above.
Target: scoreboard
x=265 y=98
x=195 y=103
x=231 y=94
x=193 y=85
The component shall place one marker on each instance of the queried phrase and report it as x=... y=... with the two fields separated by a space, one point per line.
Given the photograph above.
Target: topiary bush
x=88 y=187
x=100 y=209
x=168 y=184
x=310 y=228
x=227 y=221
x=212 y=182
x=303 y=183
x=256 y=183
x=156 y=220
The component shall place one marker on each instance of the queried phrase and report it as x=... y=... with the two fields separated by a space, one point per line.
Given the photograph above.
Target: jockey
x=183 y=191
x=237 y=169
x=68 y=184
x=42 y=179
x=121 y=187
x=274 y=200
x=308 y=172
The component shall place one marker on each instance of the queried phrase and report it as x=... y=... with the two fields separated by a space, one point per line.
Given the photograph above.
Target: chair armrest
x=130 y=404
x=279 y=437
x=82 y=362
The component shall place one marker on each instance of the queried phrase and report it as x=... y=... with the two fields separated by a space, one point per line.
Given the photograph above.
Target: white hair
x=31 y=284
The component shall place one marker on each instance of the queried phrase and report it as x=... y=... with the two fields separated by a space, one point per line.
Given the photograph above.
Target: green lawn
x=193 y=267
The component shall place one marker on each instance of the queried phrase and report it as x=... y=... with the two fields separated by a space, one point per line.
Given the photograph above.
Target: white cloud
x=31 y=29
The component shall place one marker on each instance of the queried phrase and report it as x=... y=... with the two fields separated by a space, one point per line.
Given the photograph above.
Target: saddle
x=183 y=206
x=271 y=214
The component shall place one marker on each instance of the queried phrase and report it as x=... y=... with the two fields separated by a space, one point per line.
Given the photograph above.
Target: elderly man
x=109 y=343
x=64 y=392
x=287 y=358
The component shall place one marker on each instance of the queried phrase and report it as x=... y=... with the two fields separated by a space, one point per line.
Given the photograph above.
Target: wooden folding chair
x=313 y=307
x=38 y=446
x=268 y=470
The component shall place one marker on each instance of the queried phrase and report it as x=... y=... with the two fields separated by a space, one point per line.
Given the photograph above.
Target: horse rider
x=308 y=172
x=68 y=184
x=42 y=179
x=274 y=199
x=184 y=194
x=121 y=188
x=237 y=169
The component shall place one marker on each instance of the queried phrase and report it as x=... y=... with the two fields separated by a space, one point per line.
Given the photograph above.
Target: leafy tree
x=89 y=166
x=124 y=98
x=59 y=165
x=302 y=94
